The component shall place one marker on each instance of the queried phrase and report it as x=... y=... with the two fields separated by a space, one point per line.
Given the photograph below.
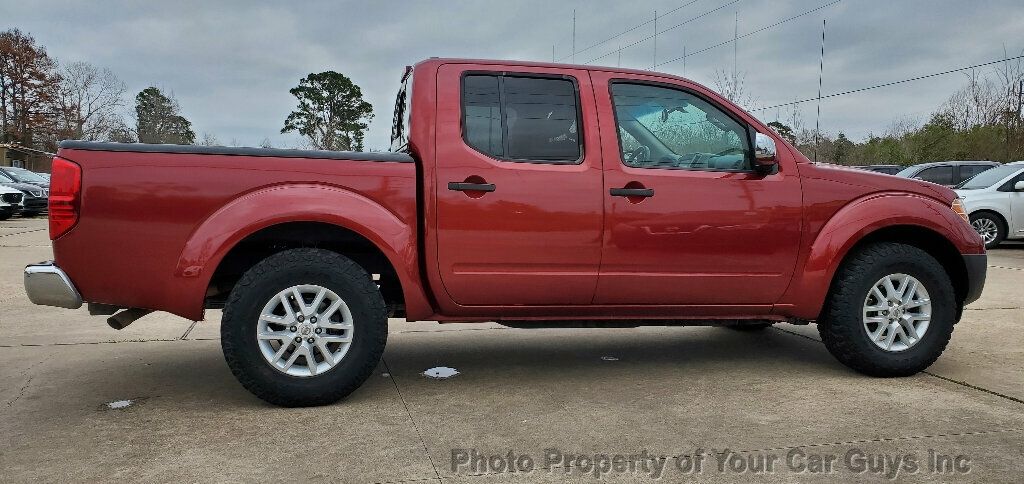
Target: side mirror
x=1019 y=186
x=764 y=151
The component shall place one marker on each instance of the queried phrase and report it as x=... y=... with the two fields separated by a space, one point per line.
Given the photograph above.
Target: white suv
x=10 y=201
x=994 y=199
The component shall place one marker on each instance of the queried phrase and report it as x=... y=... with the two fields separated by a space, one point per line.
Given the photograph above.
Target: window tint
x=967 y=171
x=521 y=118
x=666 y=128
x=482 y=107
x=943 y=175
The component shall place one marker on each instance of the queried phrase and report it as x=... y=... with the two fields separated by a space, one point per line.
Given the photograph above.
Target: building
x=31 y=159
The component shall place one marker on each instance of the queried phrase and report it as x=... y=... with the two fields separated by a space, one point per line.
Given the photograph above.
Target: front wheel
x=890 y=312
x=304 y=327
x=989 y=227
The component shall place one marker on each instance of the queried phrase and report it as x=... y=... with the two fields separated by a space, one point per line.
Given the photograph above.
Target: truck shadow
x=540 y=358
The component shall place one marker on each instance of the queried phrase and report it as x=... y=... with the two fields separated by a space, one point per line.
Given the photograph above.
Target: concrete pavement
x=641 y=393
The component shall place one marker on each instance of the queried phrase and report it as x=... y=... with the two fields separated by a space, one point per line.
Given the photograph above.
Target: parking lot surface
x=156 y=402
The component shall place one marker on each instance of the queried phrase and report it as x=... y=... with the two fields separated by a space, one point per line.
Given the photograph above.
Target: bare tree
x=88 y=101
x=732 y=85
x=208 y=139
x=986 y=101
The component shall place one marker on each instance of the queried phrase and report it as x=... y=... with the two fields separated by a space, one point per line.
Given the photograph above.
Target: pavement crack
x=412 y=419
x=24 y=387
x=975 y=387
x=935 y=375
x=189 y=330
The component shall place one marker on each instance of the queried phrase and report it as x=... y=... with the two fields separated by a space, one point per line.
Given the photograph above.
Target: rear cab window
x=522 y=117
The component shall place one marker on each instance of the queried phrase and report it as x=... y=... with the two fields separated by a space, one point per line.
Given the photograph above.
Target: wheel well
x=929 y=241
x=999 y=216
x=276 y=238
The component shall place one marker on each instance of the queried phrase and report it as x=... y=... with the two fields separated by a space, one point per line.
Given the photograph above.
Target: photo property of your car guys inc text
x=457 y=242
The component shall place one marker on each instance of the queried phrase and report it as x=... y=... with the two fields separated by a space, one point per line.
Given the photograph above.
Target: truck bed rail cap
x=235 y=151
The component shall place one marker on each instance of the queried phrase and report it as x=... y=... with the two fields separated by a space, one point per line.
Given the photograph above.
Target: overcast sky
x=230 y=63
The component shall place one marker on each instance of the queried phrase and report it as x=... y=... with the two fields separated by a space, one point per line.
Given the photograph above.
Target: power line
x=645 y=39
x=748 y=34
x=893 y=83
x=624 y=32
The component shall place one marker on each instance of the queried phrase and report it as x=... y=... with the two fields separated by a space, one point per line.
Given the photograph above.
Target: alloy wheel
x=305 y=330
x=897 y=312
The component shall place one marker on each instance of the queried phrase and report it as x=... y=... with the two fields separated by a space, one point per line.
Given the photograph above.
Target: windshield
x=400 y=123
x=24 y=175
x=988 y=178
x=5 y=179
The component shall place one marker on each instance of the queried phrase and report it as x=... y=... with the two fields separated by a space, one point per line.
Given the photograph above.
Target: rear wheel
x=990 y=227
x=890 y=312
x=304 y=327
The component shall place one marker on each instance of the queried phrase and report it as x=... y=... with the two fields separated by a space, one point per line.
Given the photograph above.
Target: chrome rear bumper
x=47 y=285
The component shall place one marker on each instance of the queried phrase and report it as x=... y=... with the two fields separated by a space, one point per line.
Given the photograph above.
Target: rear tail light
x=65 y=196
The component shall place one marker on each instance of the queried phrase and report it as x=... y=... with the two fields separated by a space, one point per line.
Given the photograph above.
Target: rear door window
x=943 y=175
x=519 y=118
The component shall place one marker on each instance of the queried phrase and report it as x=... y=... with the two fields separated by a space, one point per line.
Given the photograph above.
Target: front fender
x=221 y=231
x=858 y=219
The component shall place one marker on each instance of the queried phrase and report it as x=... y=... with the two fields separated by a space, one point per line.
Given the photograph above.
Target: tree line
x=43 y=101
x=979 y=121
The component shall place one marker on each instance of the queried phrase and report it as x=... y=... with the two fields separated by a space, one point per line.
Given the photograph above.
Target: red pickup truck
x=535 y=195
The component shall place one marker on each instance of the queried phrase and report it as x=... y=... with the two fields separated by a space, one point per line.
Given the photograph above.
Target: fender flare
x=857 y=220
x=215 y=236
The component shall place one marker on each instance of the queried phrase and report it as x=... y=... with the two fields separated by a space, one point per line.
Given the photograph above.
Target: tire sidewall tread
x=842 y=329
x=282 y=270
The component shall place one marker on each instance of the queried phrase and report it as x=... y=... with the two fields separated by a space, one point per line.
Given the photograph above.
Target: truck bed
x=141 y=205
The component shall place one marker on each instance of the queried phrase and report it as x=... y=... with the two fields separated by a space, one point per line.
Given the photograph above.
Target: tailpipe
x=122 y=319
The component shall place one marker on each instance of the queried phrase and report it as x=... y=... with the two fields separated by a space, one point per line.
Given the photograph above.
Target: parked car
x=10 y=202
x=35 y=197
x=947 y=173
x=887 y=169
x=994 y=200
x=45 y=176
x=535 y=195
x=22 y=175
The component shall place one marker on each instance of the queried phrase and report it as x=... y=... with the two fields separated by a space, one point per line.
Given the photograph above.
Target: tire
x=991 y=228
x=4 y=215
x=844 y=328
x=261 y=287
x=749 y=327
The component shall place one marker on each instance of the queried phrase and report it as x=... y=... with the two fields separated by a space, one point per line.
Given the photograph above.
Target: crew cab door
x=687 y=219
x=517 y=185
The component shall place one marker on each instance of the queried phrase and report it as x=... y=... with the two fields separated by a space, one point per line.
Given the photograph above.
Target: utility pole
x=655 y=64
x=684 y=60
x=619 y=64
x=574 y=36
x=821 y=71
x=552 y=52
x=1020 y=99
x=735 y=49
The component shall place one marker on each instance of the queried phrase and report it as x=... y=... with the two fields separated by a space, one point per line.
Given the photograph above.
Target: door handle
x=632 y=192
x=471 y=187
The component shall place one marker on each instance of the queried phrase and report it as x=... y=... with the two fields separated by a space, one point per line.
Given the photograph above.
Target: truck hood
x=878 y=181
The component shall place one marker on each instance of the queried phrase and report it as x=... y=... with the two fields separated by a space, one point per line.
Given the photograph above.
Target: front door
x=687 y=219
x=518 y=185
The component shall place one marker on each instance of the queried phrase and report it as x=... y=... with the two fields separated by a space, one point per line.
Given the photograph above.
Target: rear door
x=687 y=219
x=518 y=185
